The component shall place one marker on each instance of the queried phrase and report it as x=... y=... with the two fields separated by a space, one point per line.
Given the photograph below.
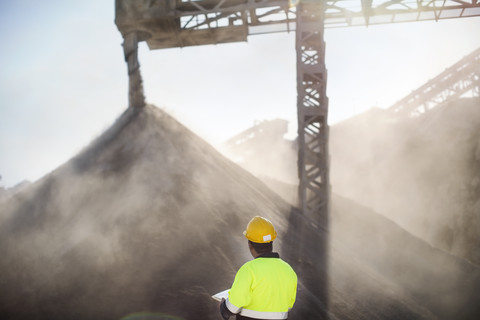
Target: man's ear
x=253 y=252
x=250 y=247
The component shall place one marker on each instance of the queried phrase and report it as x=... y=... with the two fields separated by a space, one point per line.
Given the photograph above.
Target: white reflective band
x=268 y=237
x=263 y=315
x=233 y=308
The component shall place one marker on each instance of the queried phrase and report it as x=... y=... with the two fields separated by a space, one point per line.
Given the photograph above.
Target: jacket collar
x=269 y=255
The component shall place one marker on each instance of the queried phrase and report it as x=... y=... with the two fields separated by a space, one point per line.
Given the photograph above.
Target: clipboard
x=221 y=295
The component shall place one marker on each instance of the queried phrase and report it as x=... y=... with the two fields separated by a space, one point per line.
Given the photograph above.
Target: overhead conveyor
x=180 y=23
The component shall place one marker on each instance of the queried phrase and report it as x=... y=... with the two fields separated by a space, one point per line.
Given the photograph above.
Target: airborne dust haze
x=147 y=221
x=416 y=221
x=149 y=218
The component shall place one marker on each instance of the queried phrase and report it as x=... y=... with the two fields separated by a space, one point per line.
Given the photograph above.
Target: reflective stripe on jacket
x=264 y=288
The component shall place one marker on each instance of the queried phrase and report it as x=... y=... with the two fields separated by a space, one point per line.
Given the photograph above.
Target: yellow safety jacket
x=264 y=288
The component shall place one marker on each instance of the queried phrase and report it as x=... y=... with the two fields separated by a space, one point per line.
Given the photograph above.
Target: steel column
x=312 y=111
x=313 y=157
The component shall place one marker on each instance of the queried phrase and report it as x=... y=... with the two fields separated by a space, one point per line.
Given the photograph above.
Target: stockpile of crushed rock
x=149 y=218
x=423 y=173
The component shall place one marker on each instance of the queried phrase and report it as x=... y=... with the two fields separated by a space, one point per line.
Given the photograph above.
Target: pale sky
x=63 y=78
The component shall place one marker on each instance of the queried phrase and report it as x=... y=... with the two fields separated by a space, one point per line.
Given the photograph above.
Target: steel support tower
x=313 y=156
x=312 y=111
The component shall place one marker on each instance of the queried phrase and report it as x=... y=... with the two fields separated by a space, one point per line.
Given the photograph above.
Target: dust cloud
x=423 y=173
x=149 y=218
x=413 y=221
x=263 y=151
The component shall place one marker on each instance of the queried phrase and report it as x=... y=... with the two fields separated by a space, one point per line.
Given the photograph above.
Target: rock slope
x=149 y=218
x=423 y=173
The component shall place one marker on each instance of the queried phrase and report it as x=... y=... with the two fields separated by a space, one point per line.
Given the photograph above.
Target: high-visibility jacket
x=264 y=288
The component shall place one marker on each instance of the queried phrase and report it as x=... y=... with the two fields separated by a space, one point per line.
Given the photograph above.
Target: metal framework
x=462 y=77
x=266 y=128
x=312 y=111
x=180 y=23
x=247 y=145
x=313 y=156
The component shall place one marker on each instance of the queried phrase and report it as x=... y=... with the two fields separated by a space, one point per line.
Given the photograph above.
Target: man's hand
x=224 y=312
x=220 y=303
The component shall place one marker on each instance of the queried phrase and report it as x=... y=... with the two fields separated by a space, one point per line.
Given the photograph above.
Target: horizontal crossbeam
x=179 y=23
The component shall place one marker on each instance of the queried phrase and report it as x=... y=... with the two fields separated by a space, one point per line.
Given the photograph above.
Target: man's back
x=266 y=284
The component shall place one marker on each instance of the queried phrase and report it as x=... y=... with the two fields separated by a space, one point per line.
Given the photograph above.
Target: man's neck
x=268 y=255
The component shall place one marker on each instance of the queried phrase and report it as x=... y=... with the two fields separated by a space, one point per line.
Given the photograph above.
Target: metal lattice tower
x=312 y=110
x=313 y=156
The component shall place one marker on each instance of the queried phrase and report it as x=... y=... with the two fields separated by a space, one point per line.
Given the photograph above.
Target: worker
x=265 y=287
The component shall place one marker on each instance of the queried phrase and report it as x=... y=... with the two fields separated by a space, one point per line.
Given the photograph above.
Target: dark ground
x=149 y=219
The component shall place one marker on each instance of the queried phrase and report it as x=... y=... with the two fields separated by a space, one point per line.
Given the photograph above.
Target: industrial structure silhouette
x=149 y=217
x=166 y=24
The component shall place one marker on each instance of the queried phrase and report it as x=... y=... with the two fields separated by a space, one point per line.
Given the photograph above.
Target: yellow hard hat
x=260 y=230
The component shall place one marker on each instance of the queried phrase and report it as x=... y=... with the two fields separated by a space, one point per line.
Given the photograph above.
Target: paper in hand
x=221 y=295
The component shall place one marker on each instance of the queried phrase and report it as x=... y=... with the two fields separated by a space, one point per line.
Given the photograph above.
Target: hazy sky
x=63 y=78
